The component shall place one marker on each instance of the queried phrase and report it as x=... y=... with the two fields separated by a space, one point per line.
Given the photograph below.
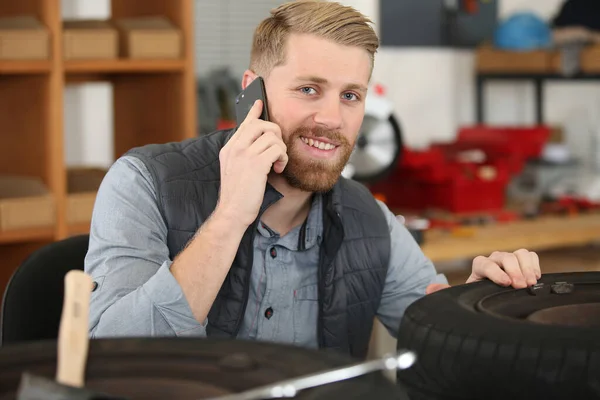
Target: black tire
x=473 y=342
x=178 y=368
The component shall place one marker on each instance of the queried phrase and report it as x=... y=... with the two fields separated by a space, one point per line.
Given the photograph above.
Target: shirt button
x=268 y=313
x=273 y=252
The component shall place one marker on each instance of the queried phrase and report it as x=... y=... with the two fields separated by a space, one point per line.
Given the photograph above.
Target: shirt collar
x=309 y=233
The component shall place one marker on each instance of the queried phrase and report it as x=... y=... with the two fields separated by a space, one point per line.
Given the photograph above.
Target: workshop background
x=484 y=116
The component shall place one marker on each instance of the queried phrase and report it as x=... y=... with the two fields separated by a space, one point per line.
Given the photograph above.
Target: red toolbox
x=515 y=145
x=457 y=188
x=442 y=177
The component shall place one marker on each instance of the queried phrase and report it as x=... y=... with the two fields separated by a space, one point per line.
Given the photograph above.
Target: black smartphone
x=246 y=99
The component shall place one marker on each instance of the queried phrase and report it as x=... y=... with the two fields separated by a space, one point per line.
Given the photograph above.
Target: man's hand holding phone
x=246 y=161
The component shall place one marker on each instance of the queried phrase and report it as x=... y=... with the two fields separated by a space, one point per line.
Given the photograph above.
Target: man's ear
x=247 y=78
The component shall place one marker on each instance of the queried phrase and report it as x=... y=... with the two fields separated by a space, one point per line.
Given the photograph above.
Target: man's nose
x=329 y=114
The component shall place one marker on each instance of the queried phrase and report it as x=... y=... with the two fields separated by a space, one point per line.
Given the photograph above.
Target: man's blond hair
x=328 y=20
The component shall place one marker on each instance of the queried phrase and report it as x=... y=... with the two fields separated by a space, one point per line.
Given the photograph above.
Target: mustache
x=317 y=132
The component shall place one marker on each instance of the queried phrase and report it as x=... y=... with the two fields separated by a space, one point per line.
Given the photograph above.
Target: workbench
x=542 y=233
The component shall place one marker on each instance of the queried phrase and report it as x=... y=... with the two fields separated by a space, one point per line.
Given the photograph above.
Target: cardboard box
x=23 y=38
x=590 y=59
x=25 y=203
x=149 y=37
x=89 y=39
x=492 y=60
x=556 y=62
x=82 y=186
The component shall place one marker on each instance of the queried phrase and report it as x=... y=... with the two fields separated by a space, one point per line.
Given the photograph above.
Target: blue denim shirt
x=138 y=296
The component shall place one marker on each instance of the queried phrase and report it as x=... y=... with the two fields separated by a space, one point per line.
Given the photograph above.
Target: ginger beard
x=312 y=174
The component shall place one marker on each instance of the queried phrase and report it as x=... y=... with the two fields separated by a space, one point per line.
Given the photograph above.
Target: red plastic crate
x=453 y=196
x=498 y=140
x=463 y=192
x=415 y=159
x=438 y=178
x=515 y=145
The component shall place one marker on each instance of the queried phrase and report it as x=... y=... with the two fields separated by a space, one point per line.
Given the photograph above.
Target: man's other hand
x=519 y=269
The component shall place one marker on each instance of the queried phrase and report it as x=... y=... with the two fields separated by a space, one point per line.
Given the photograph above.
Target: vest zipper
x=322 y=270
x=302 y=236
x=334 y=219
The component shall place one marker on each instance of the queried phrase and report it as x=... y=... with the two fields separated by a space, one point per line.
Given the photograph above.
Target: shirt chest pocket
x=306 y=313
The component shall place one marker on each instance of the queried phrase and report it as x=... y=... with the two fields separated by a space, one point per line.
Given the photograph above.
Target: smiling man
x=252 y=233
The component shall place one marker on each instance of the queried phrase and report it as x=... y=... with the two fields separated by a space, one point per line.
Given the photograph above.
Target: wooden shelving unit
x=124 y=66
x=24 y=67
x=26 y=235
x=77 y=229
x=154 y=102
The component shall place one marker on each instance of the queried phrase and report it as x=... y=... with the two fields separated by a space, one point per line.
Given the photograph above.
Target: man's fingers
x=265 y=141
x=526 y=264
x=521 y=268
x=275 y=155
x=510 y=264
x=253 y=114
x=255 y=111
x=484 y=267
x=535 y=261
x=279 y=166
x=255 y=129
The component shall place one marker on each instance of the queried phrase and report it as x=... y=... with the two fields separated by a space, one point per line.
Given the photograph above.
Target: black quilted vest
x=353 y=256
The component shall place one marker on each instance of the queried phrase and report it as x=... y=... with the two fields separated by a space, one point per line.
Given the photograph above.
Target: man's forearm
x=202 y=266
x=153 y=309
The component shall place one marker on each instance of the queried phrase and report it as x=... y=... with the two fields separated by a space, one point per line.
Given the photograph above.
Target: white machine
x=379 y=144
